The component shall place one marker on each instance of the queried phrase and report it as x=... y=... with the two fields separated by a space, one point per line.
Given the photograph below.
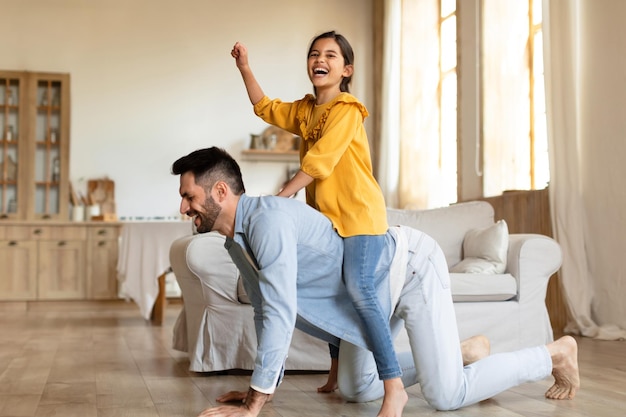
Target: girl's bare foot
x=330 y=386
x=394 y=400
x=331 y=382
x=564 y=353
x=474 y=349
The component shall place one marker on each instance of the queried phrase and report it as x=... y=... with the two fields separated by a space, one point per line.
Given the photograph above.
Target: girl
x=336 y=170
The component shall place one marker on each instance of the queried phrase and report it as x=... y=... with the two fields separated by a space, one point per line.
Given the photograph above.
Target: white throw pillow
x=484 y=250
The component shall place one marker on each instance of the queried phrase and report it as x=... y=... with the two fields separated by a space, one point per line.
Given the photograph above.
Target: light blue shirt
x=292 y=274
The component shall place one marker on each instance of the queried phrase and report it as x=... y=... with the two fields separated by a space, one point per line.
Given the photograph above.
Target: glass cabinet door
x=47 y=162
x=50 y=193
x=34 y=145
x=11 y=138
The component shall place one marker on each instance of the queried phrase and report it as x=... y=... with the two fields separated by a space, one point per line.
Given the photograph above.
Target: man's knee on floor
x=442 y=400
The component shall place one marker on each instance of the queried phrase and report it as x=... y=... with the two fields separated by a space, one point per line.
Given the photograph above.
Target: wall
x=152 y=80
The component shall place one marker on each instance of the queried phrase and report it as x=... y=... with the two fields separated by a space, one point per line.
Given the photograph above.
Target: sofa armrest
x=215 y=330
x=532 y=259
x=202 y=265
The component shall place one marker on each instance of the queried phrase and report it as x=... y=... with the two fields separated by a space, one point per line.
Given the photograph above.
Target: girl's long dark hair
x=346 y=51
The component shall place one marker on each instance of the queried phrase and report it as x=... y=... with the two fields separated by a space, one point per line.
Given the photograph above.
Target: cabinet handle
x=102 y=243
x=4 y=216
x=46 y=217
x=102 y=232
x=37 y=231
x=62 y=243
x=12 y=243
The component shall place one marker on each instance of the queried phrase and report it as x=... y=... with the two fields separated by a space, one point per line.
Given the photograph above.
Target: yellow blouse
x=335 y=152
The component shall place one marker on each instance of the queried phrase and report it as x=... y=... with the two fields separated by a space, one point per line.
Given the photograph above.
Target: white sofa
x=217 y=331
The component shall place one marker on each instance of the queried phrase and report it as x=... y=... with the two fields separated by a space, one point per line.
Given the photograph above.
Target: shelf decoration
x=273 y=144
x=10 y=135
x=11 y=169
x=101 y=193
x=274 y=139
x=56 y=170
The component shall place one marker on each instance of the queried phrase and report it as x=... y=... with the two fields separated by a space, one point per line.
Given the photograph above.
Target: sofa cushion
x=447 y=225
x=485 y=250
x=482 y=287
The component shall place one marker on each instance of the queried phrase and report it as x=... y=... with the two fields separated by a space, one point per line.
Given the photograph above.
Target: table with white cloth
x=144 y=257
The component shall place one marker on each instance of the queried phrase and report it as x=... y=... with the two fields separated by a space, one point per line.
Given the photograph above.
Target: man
x=290 y=259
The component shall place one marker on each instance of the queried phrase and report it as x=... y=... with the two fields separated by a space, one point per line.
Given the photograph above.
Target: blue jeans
x=435 y=362
x=360 y=258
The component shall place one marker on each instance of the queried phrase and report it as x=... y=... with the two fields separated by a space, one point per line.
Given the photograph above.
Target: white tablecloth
x=144 y=255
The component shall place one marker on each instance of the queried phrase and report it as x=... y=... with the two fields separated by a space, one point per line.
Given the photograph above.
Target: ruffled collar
x=308 y=103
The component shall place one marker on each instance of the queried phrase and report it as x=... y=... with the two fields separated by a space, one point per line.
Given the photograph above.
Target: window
x=508 y=106
x=513 y=107
x=428 y=104
x=448 y=103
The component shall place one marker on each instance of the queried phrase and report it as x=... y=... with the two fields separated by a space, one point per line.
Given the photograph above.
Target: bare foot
x=331 y=382
x=474 y=349
x=328 y=387
x=394 y=400
x=564 y=353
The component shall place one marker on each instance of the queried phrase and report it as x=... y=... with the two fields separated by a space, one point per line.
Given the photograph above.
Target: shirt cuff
x=263 y=390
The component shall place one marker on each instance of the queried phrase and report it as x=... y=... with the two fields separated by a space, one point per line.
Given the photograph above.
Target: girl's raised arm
x=255 y=92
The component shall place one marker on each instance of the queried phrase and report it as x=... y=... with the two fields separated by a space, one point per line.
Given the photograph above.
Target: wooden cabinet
x=103 y=243
x=58 y=261
x=18 y=258
x=43 y=255
x=34 y=145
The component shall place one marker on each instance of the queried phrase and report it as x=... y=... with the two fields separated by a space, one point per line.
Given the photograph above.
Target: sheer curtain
x=408 y=169
x=563 y=90
x=388 y=145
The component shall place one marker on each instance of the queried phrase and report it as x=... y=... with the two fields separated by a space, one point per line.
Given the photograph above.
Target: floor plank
x=104 y=360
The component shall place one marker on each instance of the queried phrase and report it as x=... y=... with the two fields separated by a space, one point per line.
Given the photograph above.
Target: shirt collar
x=240 y=214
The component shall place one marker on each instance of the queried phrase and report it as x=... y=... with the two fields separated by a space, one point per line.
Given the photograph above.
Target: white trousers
x=435 y=362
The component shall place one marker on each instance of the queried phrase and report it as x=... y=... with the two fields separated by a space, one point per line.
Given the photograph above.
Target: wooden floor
x=106 y=361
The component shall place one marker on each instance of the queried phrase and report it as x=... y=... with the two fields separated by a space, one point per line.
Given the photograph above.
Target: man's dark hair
x=210 y=165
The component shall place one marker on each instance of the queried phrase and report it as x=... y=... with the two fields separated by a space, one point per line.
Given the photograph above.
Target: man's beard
x=207 y=219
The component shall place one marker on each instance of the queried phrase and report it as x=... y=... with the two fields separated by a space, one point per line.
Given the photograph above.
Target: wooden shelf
x=271 y=156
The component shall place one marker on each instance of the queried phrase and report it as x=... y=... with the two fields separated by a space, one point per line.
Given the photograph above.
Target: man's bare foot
x=474 y=349
x=564 y=353
x=394 y=400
